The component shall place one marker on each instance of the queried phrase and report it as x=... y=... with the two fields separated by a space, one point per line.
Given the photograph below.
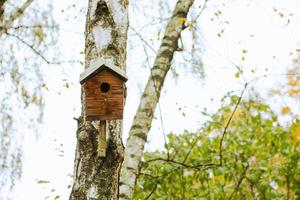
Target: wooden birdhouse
x=104 y=91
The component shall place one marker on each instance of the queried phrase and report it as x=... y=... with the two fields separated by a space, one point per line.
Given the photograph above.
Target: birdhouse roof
x=98 y=66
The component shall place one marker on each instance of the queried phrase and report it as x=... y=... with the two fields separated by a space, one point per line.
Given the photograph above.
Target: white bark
x=106 y=37
x=144 y=115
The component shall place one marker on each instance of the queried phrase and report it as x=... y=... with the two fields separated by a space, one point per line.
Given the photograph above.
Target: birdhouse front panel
x=104 y=96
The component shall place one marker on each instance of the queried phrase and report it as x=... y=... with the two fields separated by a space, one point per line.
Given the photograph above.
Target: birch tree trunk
x=106 y=37
x=150 y=97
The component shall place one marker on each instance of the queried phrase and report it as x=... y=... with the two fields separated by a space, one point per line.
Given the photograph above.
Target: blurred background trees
x=260 y=157
x=27 y=30
x=227 y=44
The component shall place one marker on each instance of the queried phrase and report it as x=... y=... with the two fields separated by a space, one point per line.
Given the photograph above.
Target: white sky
x=253 y=25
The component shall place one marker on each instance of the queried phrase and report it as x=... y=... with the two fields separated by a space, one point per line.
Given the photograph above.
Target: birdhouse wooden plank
x=104 y=91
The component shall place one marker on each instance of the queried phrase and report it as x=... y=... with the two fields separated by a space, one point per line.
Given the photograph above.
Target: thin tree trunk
x=106 y=37
x=144 y=115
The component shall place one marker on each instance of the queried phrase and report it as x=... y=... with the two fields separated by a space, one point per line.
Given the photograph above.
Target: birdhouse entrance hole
x=104 y=87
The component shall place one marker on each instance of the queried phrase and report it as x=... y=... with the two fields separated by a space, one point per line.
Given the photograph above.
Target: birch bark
x=150 y=97
x=106 y=37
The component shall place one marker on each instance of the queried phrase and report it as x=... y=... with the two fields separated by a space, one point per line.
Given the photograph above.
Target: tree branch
x=228 y=123
x=15 y=15
x=149 y=100
x=208 y=165
x=242 y=177
x=153 y=190
x=31 y=26
x=38 y=53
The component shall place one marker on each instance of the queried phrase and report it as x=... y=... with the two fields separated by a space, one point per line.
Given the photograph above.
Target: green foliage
x=260 y=159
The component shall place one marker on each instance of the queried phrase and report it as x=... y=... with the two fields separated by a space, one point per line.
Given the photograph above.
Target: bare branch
x=152 y=191
x=228 y=123
x=207 y=165
x=39 y=53
x=143 y=40
x=243 y=175
x=198 y=166
x=201 y=11
x=32 y=26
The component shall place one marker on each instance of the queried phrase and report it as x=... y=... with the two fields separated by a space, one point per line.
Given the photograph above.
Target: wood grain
x=104 y=105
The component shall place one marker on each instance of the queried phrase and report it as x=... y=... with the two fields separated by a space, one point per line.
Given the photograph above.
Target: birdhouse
x=103 y=91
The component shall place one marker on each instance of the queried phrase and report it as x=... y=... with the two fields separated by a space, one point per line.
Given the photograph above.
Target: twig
x=228 y=123
x=30 y=46
x=201 y=11
x=30 y=26
x=143 y=40
x=158 y=180
x=198 y=166
x=243 y=175
x=190 y=150
x=39 y=53
x=152 y=191
x=41 y=26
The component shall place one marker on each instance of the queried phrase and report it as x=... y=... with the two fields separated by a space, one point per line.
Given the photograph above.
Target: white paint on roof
x=102 y=63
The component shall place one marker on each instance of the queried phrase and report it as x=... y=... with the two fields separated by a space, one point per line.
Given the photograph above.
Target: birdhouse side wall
x=101 y=105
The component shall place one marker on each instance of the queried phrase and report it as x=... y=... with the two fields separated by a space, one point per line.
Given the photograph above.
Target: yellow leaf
x=237 y=75
x=38 y=33
x=182 y=20
x=220 y=179
x=293 y=82
x=296 y=135
x=285 y=110
x=277 y=159
x=293 y=92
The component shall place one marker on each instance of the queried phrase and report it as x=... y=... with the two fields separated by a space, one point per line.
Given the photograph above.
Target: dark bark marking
x=141 y=135
x=103 y=14
x=136 y=126
x=101 y=9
